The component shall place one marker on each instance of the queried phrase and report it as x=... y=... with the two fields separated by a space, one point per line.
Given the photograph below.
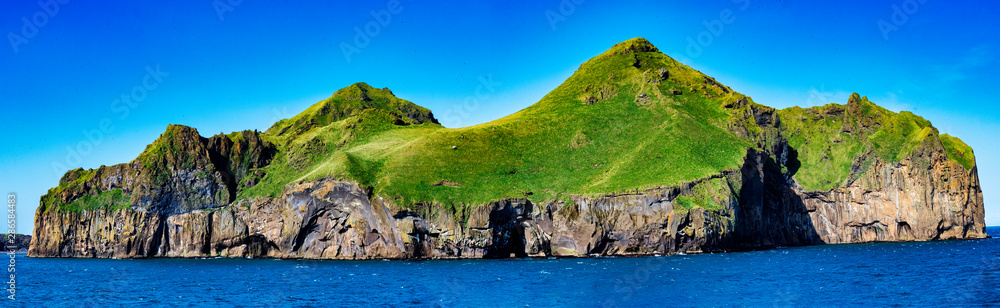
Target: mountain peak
x=856 y=99
x=351 y=101
x=634 y=45
x=362 y=92
x=634 y=68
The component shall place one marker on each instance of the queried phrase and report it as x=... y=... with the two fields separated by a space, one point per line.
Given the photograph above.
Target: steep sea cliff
x=333 y=219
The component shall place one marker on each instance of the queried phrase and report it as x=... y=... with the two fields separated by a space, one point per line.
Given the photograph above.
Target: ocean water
x=952 y=273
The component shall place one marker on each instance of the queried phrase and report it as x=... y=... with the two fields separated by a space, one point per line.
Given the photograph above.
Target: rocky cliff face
x=93 y=211
x=182 y=206
x=331 y=219
x=924 y=197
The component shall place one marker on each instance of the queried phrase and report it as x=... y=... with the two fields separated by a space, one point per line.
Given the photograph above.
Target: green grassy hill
x=629 y=119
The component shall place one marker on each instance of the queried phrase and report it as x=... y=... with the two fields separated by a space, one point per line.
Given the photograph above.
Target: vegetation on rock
x=629 y=119
x=835 y=140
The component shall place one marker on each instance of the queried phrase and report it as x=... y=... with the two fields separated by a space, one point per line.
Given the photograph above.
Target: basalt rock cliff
x=636 y=154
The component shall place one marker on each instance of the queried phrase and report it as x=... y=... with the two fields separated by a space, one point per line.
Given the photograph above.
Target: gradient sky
x=225 y=68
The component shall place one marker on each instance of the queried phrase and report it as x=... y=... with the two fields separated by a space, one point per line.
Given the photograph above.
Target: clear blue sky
x=225 y=68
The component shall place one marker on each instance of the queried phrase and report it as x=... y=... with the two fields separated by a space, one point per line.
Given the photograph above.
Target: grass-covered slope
x=82 y=196
x=958 y=151
x=833 y=140
x=630 y=118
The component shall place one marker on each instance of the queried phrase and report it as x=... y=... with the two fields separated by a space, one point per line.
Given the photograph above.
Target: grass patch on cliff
x=89 y=197
x=826 y=153
x=958 y=151
x=831 y=139
x=71 y=181
x=900 y=134
x=113 y=199
x=710 y=194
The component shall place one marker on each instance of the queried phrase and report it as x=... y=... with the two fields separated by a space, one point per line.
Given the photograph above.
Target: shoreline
x=689 y=253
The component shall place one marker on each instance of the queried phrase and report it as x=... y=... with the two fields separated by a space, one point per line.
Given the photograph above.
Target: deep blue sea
x=951 y=273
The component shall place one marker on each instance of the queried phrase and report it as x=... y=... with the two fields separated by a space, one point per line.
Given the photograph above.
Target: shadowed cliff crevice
x=308 y=228
x=505 y=224
x=770 y=212
x=158 y=238
x=238 y=158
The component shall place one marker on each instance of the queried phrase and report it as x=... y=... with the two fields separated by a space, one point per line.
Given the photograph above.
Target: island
x=635 y=154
